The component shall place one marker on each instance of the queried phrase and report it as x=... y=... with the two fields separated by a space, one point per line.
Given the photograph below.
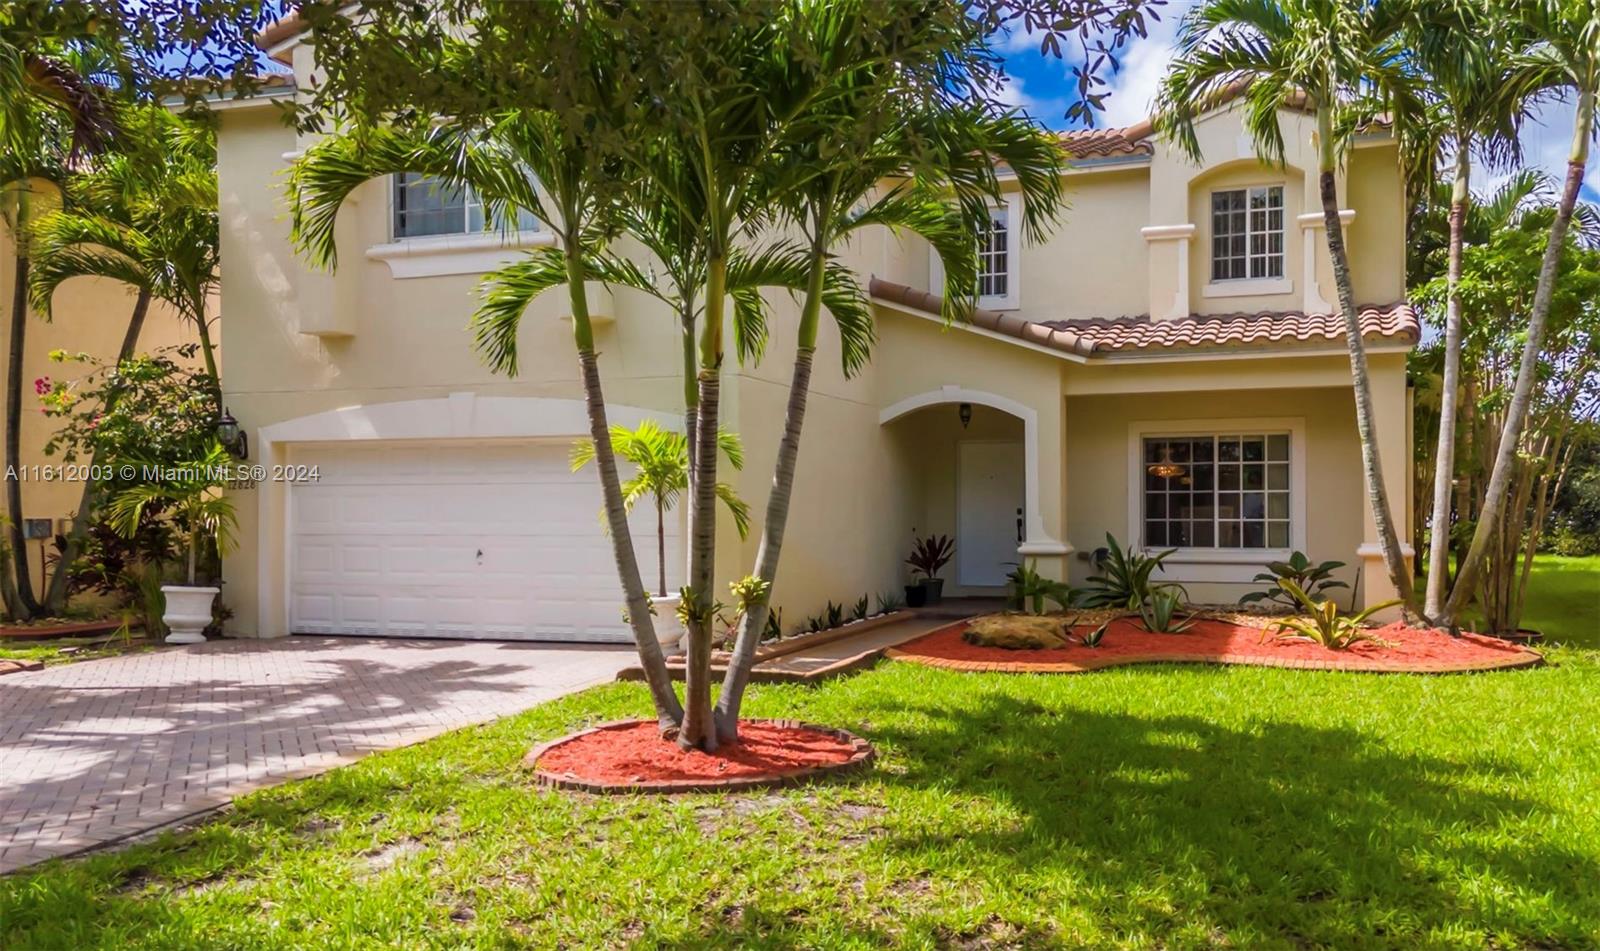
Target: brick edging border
x=861 y=756
x=1525 y=658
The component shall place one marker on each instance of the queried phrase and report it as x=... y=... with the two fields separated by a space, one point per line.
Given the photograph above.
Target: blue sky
x=1044 y=86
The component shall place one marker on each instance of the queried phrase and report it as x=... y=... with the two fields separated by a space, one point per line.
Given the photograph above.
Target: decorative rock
x=1019 y=631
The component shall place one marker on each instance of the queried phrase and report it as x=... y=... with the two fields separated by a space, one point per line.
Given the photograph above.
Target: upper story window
x=1217 y=491
x=1247 y=233
x=423 y=207
x=994 y=255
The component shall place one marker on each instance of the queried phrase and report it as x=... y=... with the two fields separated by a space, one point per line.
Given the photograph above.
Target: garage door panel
x=458 y=540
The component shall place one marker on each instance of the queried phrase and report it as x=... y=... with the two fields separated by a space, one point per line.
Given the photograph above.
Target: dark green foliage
x=890 y=602
x=1028 y=590
x=835 y=614
x=774 y=628
x=1094 y=637
x=862 y=609
x=1159 y=612
x=1314 y=580
x=1124 y=578
x=930 y=555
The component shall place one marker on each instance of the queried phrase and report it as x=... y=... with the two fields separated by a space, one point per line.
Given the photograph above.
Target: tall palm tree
x=660 y=459
x=146 y=218
x=1344 y=57
x=1466 y=56
x=932 y=172
x=1564 y=57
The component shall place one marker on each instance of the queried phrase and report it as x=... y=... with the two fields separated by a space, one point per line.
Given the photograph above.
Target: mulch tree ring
x=1214 y=641
x=630 y=756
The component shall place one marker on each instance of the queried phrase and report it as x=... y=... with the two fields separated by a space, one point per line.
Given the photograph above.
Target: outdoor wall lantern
x=965 y=411
x=233 y=439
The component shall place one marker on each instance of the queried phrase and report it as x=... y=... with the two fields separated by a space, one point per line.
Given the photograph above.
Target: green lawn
x=1138 y=807
x=1564 y=600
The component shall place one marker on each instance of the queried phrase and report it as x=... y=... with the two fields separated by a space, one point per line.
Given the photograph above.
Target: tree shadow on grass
x=1278 y=832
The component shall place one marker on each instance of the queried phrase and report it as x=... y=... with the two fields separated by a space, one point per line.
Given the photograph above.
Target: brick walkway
x=100 y=750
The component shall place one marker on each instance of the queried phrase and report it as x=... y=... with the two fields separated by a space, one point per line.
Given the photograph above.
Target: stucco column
x=1169 y=269
x=1388 y=373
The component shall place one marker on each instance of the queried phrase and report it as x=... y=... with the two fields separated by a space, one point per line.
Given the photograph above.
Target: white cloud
x=1133 y=87
x=1546 y=144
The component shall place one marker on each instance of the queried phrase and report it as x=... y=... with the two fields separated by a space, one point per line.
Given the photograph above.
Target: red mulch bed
x=631 y=756
x=1416 y=650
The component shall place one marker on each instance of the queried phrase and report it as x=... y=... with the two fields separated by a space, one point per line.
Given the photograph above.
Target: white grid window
x=1247 y=233
x=994 y=250
x=1222 y=491
x=423 y=206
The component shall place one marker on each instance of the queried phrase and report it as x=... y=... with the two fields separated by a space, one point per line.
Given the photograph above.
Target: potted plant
x=928 y=557
x=190 y=495
x=661 y=462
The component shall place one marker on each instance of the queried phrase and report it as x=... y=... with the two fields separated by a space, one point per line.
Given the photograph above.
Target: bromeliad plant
x=1324 y=625
x=1029 y=590
x=1314 y=580
x=1124 y=578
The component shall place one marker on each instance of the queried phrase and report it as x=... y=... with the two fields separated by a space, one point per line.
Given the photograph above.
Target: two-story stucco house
x=1167 y=367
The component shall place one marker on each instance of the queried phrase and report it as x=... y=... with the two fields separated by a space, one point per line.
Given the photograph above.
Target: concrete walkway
x=100 y=750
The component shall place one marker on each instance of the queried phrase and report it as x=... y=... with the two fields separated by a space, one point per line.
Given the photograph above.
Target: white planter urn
x=188 y=612
x=669 y=630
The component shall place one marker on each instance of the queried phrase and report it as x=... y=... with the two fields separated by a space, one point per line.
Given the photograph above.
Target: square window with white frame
x=425 y=207
x=1224 y=491
x=994 y=251
x=1247 y=233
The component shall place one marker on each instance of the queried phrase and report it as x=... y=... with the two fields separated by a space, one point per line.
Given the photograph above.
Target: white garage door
x=458 y=538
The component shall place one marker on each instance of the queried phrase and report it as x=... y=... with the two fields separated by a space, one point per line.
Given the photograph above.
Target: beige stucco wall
x=91 y=315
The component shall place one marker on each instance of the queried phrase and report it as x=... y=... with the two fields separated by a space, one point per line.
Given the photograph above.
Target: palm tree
x=660 y=459
x=147 y=219
x=1344 y=58
x=946 y=161
x=1564 y=57
x=194 y=497
x=1466 y=56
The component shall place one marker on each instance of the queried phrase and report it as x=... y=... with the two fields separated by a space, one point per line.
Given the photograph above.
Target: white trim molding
x=1182 y=234
x=455 y=253
x=1219 y=564
x=458 y=416
x=1311 y=223
x=1036 y=540
x=1248 y=287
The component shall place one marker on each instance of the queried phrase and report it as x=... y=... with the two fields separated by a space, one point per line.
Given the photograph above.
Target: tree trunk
x=194 y=550
x=668 y=711
x=777 y=517
x=661 y=547
x=27 y=604
x=1444 y=458
x=699 y=729
x=208 y=352
x=55 y=599
x=1522 y=392
x=1372 y=466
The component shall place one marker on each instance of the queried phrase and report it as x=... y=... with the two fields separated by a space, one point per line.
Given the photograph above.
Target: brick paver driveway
x=95 y=751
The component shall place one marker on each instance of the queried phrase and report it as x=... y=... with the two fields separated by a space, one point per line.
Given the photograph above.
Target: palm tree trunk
x=55 y=598
x=1522 y=392
x=194 y=551
x=209 y=353
x=661 y=547
x=668 y=712
x=27 y=604
x=699 y=730
x=1444 y=458
x=777 y=518
x=1372 y=467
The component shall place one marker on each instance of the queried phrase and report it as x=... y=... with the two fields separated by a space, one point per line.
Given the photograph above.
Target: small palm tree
x=1562 y=59
x=1346 y=59
x=660 y=459
x=192 y=493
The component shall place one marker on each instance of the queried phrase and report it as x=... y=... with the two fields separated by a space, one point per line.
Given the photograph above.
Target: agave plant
x=1124 y=578
x=862 y=608
x=1324 y=625
x=1314 y=580
x=1159 y=611
x=1094 y=637
x=1029 y=590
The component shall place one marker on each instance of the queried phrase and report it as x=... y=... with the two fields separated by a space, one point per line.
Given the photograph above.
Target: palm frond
x=505 y=294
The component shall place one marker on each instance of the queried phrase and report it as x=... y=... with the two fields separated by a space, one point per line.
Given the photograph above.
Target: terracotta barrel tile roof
x=1108 y=143
x=1394 y=322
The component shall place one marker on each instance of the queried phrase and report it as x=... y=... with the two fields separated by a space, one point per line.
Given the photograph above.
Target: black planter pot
x=916 y=595
x=935 y=588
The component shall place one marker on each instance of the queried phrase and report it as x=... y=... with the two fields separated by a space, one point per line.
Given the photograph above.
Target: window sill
x=1216 y=565
x=1248 y=288
x=999 y=303
x=454 y=254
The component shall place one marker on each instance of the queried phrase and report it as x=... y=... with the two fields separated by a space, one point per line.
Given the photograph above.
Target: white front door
x=458 y=538
x=989 y=494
